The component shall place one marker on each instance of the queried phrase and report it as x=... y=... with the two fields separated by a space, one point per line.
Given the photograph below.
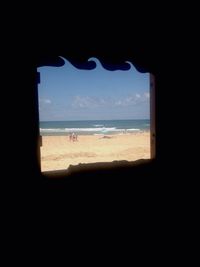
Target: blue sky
x=68 y=93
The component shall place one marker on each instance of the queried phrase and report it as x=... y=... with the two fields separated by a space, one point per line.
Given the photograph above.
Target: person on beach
x=70 y=137
x=73 y=137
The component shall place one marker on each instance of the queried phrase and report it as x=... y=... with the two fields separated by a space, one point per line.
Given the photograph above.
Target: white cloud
x=118 y=103
x=82 y=102
x=45 y=101
x=102 y=101
x=137 y=95
x=88 y=102
x=128 y=101
x=94 y=102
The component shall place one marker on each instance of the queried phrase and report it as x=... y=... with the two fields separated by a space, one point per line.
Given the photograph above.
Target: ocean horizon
x=93 y=127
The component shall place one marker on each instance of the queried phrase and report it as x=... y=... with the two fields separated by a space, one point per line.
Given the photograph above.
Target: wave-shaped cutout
x=94 y=62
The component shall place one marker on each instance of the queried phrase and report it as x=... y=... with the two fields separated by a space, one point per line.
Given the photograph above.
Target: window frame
x=64 y=172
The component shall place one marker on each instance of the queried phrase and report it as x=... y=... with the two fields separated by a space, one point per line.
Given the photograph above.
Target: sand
x=58 y=152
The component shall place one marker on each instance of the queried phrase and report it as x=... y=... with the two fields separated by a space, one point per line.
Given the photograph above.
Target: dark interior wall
x=140 y=205
x=113 y=46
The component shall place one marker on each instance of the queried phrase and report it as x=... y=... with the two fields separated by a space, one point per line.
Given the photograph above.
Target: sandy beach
x=58 y=152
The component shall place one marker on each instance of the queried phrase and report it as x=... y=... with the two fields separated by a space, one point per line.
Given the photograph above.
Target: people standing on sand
x=73 y=137
x=70 y=137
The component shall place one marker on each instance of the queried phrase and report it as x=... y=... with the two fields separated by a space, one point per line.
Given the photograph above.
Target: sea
x=93 y=127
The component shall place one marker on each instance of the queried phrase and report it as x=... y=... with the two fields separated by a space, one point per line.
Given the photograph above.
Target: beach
x=58 y=152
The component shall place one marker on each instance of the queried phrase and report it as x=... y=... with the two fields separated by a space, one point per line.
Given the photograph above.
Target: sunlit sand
x=58 y=152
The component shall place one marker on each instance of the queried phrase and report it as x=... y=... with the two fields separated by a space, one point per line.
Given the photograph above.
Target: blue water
x=93 y=127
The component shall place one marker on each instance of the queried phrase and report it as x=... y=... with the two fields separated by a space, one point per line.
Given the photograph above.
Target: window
x=98 y=115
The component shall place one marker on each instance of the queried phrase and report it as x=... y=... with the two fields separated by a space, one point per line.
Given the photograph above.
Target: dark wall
x=122 y=207
x=112 y=48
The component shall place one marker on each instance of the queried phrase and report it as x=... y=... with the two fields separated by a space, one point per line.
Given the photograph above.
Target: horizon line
x=95 y=120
